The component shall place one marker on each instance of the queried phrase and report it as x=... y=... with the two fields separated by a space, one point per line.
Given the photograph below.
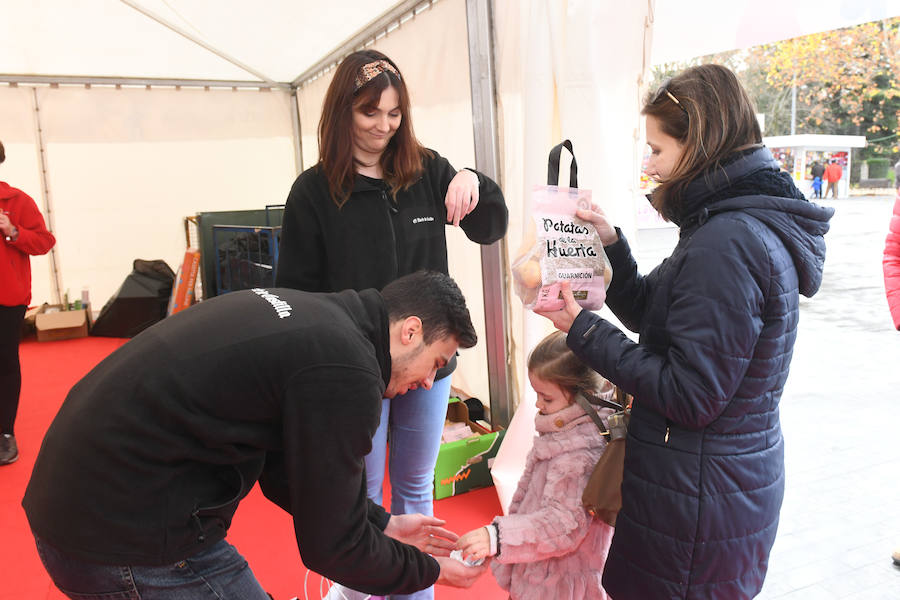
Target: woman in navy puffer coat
x=704 y=463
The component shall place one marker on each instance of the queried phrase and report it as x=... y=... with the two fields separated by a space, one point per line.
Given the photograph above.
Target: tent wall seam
x=201 y=43
x=375 y=30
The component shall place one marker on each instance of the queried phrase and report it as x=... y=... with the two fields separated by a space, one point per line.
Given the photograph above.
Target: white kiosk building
x=798 y=152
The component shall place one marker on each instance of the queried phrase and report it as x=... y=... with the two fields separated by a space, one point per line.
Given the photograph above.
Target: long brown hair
x=401 y=161
x=553 y=362
x=712 y=118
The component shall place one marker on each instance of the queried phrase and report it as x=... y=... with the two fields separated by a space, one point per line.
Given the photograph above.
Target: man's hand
x=457 y=574
x=476 y=544
x=423 y=532
x=564 y=317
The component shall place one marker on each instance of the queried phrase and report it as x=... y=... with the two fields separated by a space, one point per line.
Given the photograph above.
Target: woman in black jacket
x=704 y=463
x=375 y=208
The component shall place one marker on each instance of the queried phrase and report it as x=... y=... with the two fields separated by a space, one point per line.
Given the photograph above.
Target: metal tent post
x=484 y=121
x=297 y=131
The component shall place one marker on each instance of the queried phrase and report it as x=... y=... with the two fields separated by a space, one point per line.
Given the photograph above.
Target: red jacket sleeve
x=33 y=237
x=891 y=264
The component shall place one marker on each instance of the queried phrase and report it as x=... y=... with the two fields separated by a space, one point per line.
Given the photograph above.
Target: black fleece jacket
x=373 y=238
x=152 y=451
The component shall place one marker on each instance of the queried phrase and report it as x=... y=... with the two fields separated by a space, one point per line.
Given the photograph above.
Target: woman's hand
x=423 y=532
x=597 y=217
x=564 y=317
x=462 y=196
x=476 y=544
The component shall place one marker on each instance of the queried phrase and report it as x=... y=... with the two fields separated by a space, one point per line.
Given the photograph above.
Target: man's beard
x=400 y=370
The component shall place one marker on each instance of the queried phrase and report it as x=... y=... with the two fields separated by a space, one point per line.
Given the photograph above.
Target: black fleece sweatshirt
x=152 y=451
x=373 y=238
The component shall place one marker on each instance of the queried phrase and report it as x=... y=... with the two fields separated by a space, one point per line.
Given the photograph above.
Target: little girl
x=548 y=546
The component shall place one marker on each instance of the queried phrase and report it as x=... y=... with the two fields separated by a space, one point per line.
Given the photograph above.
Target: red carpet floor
x=261 y=531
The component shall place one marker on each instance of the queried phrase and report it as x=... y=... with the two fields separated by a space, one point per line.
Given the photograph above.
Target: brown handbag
x=602 y=496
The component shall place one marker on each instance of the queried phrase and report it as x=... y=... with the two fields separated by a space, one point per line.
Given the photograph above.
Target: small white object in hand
x=458 y=555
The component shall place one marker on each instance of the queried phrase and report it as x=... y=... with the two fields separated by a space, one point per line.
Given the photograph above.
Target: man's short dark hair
x=436 y=300
x=2 y=153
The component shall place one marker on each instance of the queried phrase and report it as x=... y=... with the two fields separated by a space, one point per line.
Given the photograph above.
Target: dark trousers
x=10 y=370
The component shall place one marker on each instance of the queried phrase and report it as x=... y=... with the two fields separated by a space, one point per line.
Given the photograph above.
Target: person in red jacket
x=833 y=174
x=891 y=264
x=22 y=233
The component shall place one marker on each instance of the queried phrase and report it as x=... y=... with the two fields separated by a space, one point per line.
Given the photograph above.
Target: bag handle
x=592 y=413
x=553 y=165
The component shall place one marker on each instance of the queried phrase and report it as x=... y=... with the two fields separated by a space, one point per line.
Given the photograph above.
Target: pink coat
x=892 y=264
x=550 y=548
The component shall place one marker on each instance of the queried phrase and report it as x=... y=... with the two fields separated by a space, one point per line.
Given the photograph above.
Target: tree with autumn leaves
x=847 y=82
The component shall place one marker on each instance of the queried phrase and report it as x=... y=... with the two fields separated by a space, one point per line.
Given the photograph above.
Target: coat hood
x=753 y=184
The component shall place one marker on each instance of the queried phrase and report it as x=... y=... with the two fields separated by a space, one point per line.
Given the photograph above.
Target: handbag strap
x=589 y=409
x=622 y=398
x=553 y=165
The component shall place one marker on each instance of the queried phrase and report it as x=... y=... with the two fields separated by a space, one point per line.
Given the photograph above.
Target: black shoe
x=9 y=452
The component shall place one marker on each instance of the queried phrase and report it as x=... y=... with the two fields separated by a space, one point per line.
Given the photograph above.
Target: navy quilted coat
x=704 y=464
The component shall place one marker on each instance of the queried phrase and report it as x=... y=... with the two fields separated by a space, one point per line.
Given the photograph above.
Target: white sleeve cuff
x=492 y=534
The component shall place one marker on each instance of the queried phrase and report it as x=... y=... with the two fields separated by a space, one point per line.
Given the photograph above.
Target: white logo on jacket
x=282 y=308
x=418 y=220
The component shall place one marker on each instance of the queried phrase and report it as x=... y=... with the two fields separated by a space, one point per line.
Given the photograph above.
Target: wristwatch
x=14 y=236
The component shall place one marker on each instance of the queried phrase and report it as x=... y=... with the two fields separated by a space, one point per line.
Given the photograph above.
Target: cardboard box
x=62 y=324
x=465 y=465
x=28 y=326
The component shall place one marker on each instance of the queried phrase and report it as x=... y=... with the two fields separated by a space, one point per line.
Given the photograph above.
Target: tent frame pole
x=56 y=80
x=295 y=127
x=482 y=76
x=55 y=277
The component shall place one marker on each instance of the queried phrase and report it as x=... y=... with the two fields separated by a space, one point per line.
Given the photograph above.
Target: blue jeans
x=218 y=573
x=414 y=421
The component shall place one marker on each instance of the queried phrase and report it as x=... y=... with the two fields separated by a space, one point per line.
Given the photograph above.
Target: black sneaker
x=9 y=452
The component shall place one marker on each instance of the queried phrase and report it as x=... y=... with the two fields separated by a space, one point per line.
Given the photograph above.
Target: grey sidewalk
x=841 y=419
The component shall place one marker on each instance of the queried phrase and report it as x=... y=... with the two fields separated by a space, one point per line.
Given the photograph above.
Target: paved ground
x=841 y=418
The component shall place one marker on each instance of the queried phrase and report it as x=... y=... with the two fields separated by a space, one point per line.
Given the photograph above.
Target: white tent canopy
x=277 y=39
x=121 y=117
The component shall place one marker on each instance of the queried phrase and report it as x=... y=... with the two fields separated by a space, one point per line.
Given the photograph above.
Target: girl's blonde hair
x=552 y=361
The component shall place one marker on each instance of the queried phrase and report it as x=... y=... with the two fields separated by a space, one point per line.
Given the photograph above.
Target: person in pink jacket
x=548 y=546
x=22 y=233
